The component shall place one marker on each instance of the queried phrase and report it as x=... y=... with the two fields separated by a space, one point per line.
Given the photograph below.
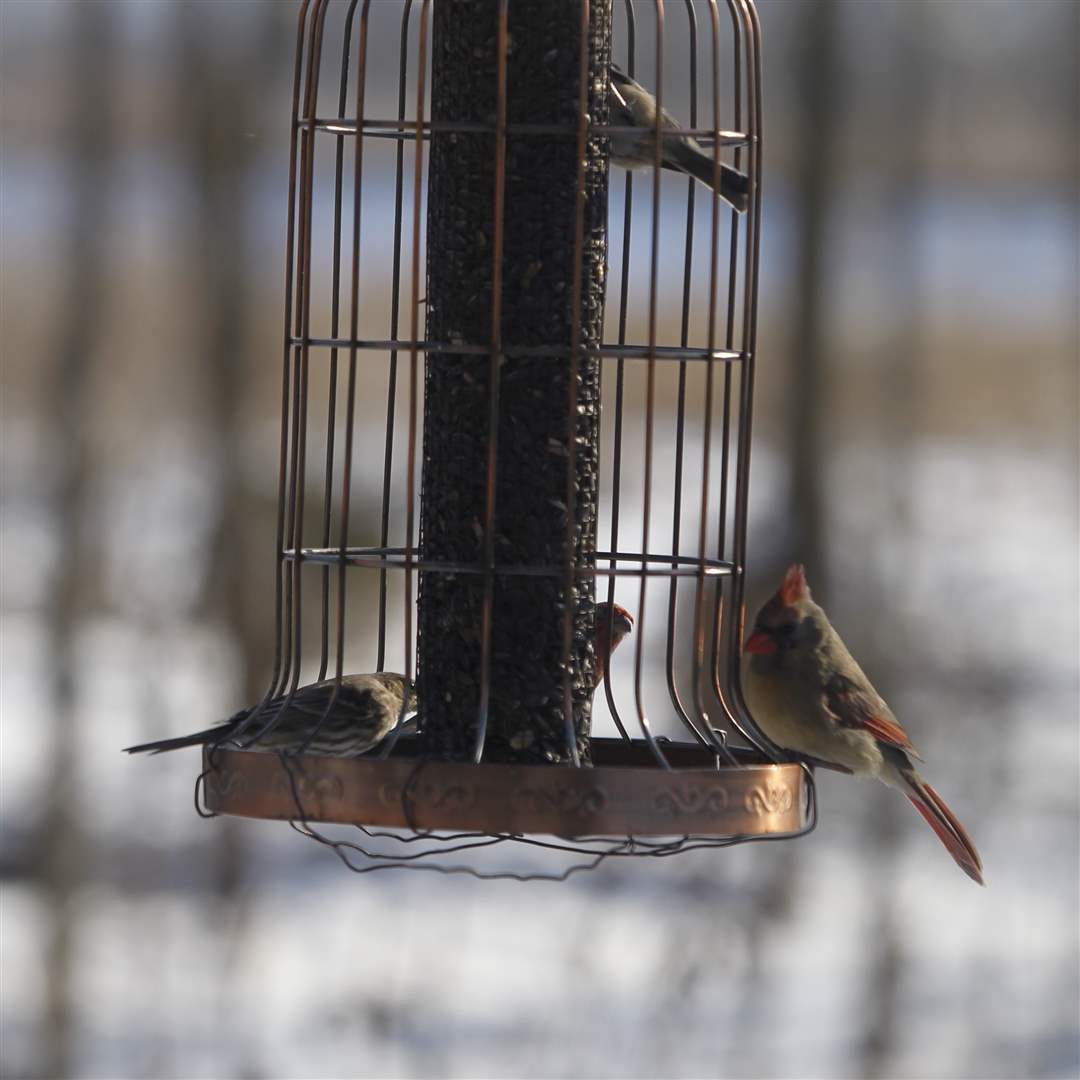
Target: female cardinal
x=808 y=695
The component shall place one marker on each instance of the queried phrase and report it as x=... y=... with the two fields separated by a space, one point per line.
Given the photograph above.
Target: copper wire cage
x=353 y=383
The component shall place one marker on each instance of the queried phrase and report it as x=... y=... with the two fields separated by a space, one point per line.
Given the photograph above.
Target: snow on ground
x=643 y=968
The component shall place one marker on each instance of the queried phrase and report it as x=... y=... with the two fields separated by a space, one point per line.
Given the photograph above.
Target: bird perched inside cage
x=365 y=712
x=621 y=622
x=633 y=106
x=809 y=695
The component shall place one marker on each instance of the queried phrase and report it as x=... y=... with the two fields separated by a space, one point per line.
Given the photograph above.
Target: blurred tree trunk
x=219 y=105
x=81 y=300
x=816 y=180
x=884 y=823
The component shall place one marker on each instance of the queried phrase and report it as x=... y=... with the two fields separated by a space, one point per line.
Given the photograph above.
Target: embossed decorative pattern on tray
x=625 y=794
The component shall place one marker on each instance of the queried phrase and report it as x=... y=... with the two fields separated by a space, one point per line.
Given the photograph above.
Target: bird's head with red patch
x=777 y=623
x=620 y=622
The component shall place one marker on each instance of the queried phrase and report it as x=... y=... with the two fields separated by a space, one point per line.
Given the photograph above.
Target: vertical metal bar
x=494 y=370
x=294 y=314
x=395 y=297
x=294 y=510
x=710 y=382
x=280 y=621
x=299 y=479
x=719 y=609
x=680 y=414
x=354 y=319
x=650 y=403
x=335 y=305
x=620 y=365
x=744 y=718
x=350 y=404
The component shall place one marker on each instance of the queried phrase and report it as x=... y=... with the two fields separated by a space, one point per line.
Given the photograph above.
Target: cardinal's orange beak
x=759 y=642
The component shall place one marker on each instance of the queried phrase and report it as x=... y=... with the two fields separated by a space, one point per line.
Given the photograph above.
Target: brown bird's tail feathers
x=945 y=824
x=223 y=731
x=160 y=746
x=734 y=185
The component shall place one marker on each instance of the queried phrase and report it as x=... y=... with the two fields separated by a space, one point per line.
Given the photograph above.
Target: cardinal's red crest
x=794 y=588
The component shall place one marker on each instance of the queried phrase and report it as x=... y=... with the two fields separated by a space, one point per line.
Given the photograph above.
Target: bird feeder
x=476 y=387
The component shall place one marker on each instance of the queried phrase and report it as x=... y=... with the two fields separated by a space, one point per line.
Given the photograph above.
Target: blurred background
x=915 y=446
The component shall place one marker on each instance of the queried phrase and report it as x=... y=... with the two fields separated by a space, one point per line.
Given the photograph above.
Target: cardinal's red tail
x=944 y=822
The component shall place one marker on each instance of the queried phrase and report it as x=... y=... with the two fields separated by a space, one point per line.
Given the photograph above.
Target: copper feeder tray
x=625 y=793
